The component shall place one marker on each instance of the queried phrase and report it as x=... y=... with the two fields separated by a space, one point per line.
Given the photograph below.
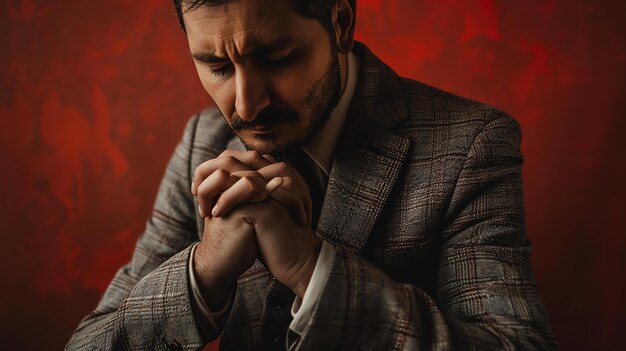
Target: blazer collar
x=378 y=96
x=368 y=157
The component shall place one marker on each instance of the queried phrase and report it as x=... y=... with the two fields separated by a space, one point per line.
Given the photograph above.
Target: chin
x=269 y=144
x=263 y=144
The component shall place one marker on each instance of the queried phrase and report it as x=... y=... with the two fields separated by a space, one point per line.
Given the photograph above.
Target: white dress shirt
x=321 y=149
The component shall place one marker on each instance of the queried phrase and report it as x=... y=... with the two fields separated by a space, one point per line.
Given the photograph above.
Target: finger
x=229 y=164
x=282 y=169
x=273 y=185
x=219 y=181
x=246 y=189
x=301 y=209
x=252 y=159
x=293 y=181
x=294 y=204
x=270 y=158
x=248 y=173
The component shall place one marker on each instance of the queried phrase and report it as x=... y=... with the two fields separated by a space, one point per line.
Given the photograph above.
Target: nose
x=251 y=94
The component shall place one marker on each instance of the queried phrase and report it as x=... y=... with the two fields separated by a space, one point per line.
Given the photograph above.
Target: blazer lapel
x=368 y=156
x=367 y=162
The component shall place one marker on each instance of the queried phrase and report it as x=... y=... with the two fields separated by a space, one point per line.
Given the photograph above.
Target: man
x=369 y=212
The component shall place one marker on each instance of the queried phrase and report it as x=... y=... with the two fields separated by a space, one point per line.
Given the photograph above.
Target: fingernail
x=215 y=208
x=274 y=184
x=200 y=211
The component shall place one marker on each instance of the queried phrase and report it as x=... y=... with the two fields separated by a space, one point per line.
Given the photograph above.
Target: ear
x=343 y=21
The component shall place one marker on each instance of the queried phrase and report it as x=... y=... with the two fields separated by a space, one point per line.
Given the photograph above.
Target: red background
x=94 y=96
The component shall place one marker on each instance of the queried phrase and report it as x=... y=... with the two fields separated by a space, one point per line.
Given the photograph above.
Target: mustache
x=265 y=118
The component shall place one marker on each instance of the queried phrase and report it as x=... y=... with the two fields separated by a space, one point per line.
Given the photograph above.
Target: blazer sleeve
x=147 y=305
x=486 y=293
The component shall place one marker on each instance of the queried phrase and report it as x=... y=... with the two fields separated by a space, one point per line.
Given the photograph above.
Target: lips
x=264 y=129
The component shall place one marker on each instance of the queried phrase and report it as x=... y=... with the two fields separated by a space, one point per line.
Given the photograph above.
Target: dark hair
x=315 y=9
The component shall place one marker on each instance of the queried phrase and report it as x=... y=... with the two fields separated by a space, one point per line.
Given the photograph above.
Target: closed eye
x=220 y=70
x=280 y=60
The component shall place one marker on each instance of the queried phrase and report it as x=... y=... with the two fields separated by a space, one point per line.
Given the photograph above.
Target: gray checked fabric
x=424 y=204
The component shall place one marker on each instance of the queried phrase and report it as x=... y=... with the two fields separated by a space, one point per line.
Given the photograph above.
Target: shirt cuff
x=302 y=309
x=197 y=294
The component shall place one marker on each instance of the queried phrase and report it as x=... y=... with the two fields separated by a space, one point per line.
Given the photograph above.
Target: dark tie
x=315 y=178
x=277 y=314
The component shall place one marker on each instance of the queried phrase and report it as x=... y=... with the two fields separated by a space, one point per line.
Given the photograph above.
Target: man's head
x=271 y=66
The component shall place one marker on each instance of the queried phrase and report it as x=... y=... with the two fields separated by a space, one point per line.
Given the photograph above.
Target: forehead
x=242 y=25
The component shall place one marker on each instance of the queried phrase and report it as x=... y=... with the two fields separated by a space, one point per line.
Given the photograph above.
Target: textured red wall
x=94 y=96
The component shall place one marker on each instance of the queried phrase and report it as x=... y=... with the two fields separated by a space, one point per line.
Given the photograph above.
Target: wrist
x=214 y=285
x=307 y=267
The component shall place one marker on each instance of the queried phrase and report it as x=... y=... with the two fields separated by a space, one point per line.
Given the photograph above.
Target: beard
x=322 y=97
x=319 y=101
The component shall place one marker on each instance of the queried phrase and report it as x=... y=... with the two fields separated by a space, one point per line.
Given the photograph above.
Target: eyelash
x=220 y=72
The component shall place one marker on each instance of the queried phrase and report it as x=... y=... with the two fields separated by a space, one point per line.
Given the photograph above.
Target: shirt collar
x=321 y=147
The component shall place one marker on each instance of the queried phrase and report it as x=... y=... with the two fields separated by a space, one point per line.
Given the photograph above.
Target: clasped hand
x=253 y=207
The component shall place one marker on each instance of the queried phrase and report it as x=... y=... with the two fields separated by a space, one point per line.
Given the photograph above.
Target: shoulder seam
x=481 y=130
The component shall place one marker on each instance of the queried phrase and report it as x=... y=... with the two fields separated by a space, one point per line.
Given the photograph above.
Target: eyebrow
x=254 y=51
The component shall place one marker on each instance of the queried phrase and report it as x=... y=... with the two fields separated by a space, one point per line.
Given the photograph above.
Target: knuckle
x=201 y=191
x=248 y=183
x=287 y=182
x=226 y=153
x=197 y=174
x=229 y=160
x=221 y=173
x=282 y=166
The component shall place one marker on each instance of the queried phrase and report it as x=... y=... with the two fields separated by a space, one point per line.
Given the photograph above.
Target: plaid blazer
x=424 y=204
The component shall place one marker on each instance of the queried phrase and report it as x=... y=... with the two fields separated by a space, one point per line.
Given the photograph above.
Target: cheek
x=289 y=89
x=292 y=85
x=222 y=92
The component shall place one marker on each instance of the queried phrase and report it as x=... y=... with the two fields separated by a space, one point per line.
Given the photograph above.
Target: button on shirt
x=321 y=149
